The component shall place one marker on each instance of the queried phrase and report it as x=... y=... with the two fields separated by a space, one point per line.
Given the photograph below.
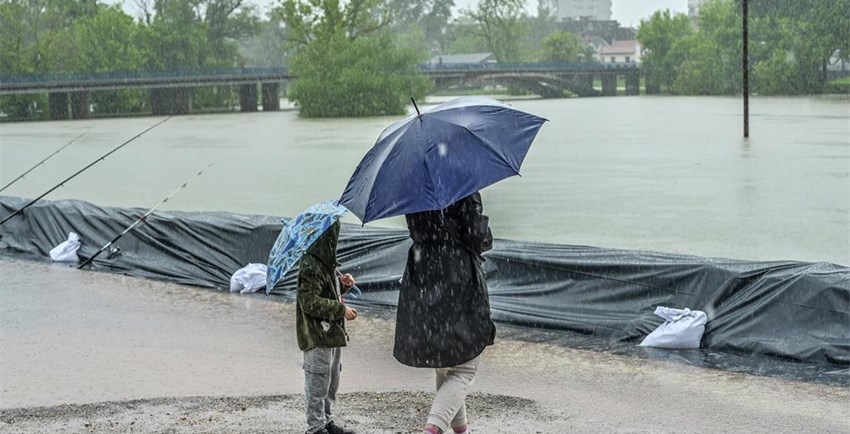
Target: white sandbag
x=67 y=250
x=682 y=328
x=250 y=278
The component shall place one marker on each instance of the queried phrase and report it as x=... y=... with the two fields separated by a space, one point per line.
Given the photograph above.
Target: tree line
x=359 y=57
x=791 y=44
x=354 y=57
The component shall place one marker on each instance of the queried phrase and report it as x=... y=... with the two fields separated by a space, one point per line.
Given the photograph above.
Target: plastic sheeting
x=792 y=310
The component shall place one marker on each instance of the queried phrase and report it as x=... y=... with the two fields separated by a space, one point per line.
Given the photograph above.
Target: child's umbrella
x=297 y=235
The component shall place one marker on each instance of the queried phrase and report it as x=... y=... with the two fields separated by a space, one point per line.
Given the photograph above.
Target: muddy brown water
x=649 y=173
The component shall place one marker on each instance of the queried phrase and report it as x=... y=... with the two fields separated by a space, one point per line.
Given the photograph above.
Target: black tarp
x=793 y=310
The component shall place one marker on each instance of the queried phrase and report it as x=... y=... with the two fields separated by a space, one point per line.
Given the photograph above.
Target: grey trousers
x=449 y=407
x=321 y=381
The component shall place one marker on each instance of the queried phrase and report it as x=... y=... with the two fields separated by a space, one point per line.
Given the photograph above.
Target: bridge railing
x=139 y=75
x=72 y=81
x=534 y=66
x=91 y=77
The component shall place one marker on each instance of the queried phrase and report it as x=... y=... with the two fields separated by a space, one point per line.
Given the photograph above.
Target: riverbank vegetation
x=839 y=86
x=792 y=45
x=345 y=64
x=361 y=57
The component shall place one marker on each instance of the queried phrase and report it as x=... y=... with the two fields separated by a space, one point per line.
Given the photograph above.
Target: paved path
x=73 y=337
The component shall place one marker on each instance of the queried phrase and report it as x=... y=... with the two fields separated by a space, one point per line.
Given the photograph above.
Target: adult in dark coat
x=443 y=318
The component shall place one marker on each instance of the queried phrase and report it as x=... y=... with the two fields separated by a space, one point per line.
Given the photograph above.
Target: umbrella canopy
x=430 y=160
x=297 y=236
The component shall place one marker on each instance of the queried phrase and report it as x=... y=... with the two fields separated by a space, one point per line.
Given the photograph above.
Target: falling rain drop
x=442 y=149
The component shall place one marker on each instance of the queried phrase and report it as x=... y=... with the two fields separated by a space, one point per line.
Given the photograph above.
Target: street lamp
x=746 y=69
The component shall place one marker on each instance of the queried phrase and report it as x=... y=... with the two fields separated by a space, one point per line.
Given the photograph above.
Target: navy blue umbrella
x=432 y=159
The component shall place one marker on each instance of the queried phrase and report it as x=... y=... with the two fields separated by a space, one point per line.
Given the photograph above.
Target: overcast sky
x=630 y=12
x=627 y=12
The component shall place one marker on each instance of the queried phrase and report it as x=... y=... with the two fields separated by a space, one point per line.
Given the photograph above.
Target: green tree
x=564 y=47
x=345 y=65
x=365 y=77
x=660 y=38
x=14 y=56
x=429 y=18
x=107 y=41
x=198 y=34
x=186 y=34
x=36 y=38
x=504 y=28
x=307 y=21
x=435 y=24
x=792 y=43
x=266 y=47
x=713 y=65
x=774 y=64
x=110 y=41
x=540 y=27
x=463 y=36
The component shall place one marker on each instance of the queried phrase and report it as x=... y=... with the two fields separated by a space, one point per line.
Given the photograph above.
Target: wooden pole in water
x=746 y=69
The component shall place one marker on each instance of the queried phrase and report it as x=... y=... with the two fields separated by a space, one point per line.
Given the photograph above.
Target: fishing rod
x=141 y=219
x=42 y=161
x=81 y=171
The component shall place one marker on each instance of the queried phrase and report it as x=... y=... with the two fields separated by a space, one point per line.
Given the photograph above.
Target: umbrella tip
x=416 y=107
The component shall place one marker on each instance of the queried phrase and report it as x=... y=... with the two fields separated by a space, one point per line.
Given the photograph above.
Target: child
x=320 y=325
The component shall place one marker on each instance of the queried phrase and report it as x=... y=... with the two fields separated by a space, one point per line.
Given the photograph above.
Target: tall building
x=568 y=10
x=550 y=6
x=693 y=7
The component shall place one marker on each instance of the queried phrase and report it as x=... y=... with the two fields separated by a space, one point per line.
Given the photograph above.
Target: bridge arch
x=544 y=84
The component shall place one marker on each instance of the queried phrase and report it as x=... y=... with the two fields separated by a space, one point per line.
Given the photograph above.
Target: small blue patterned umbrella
x=297 y=236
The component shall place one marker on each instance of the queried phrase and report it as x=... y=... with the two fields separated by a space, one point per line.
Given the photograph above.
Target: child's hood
x=324 y=249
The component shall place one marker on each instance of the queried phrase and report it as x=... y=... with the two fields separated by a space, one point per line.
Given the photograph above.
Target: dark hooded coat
x=443 y=316
x=320 y=315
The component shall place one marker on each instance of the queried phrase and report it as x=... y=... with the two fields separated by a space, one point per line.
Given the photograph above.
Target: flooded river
x=655 y=173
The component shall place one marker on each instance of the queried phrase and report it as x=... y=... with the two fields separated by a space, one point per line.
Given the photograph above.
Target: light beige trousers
x=449 y=407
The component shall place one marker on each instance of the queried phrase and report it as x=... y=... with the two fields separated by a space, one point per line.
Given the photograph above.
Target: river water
x=650 y=173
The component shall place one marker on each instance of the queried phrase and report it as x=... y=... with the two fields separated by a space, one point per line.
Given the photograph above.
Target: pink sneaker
x=461 y=429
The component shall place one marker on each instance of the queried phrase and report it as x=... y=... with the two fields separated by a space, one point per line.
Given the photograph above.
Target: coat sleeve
x=478 y=233
x=310 y=298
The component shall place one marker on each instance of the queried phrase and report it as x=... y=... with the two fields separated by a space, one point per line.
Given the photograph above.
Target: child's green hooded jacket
x=320 y=314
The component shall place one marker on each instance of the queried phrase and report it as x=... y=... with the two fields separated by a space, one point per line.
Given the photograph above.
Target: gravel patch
x=387 y=412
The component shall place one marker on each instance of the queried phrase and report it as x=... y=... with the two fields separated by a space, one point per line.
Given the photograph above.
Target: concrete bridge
x=549 y=80
x=171 y=92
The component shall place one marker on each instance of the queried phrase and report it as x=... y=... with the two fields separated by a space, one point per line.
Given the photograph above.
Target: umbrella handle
x=354 y=290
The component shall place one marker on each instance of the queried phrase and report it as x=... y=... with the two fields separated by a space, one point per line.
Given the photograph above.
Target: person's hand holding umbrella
x=347 y=281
